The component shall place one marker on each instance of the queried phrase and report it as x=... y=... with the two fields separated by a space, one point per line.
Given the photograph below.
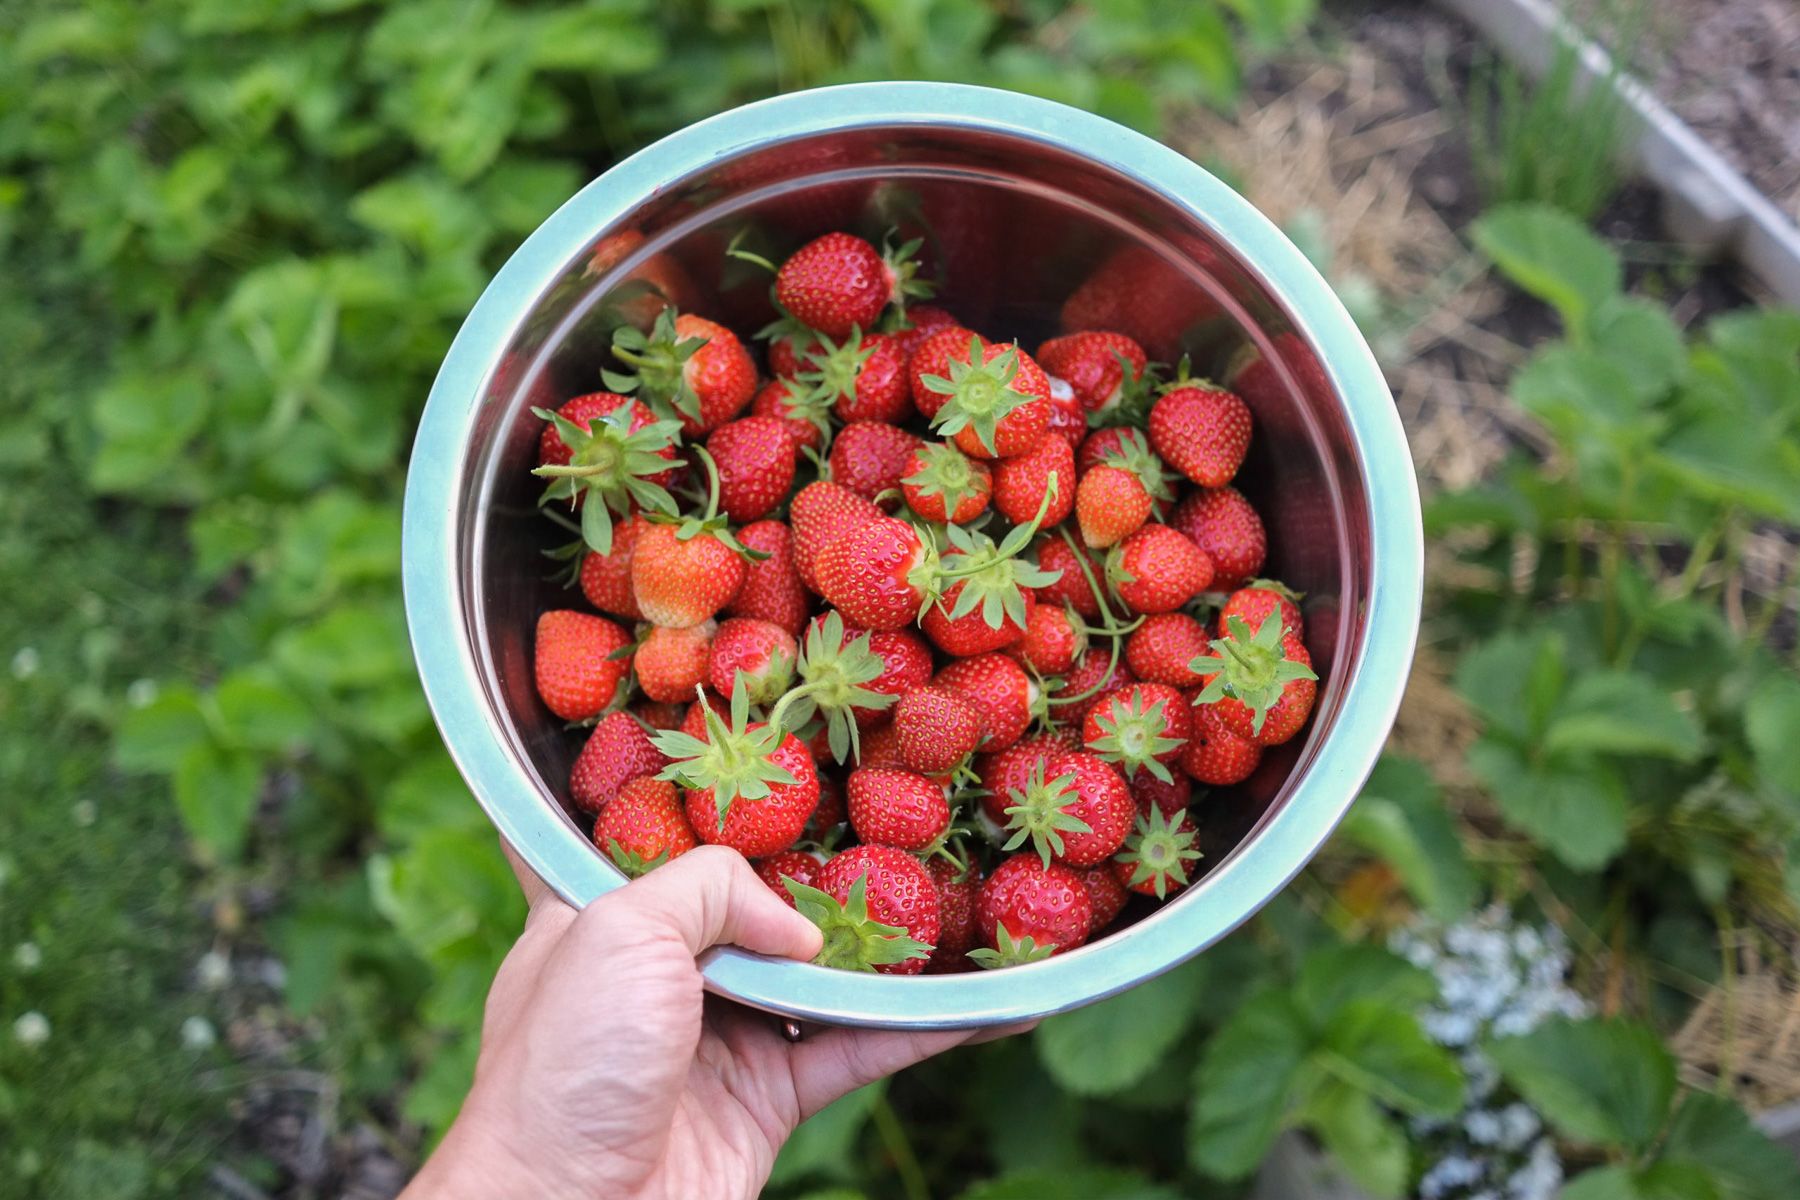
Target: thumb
x=710 y=897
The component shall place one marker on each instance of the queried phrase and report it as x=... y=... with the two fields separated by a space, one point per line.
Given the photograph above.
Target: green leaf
x=1110 y=1046
x=1400 y=817
x=155 y=738
x=258 y=713
x=1244 y=1086
x=1623 y=712
x=1580 y=393
x=1551 y=255
x=1604 y=1082
x=1577 y=809
x=1081 y=1183
x=1602 y=1183
x=1771 y=717
x=215 y=793
x=1514 y=680
x=825 y=1143
x=1367 y=1143
x=1642 y=339
x=1378 y=1047
x=1712 y=1132
x=1337 y=975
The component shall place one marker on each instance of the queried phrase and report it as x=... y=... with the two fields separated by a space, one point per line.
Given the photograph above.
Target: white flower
x=213 y=971
x=27 y=956
x=32 y=1029
x=25 y=663
x=197 y=1033
x=141 y=693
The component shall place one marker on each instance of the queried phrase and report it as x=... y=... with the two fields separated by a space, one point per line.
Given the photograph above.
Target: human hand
x=605 y=1070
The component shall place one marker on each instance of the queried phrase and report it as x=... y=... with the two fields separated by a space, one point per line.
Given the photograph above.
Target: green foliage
x=1400 y=818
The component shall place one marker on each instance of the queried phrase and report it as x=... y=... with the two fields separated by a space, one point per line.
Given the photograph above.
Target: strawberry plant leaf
x=1335 y=975
x=1400 y=818
x=1110 y=1046
x=1576 y=808
x=1714 y=1134
x=1770 y=719
x=1622 y=712
x=1642 y=339
x=1598 y=1081
x=1246 y=1081
x=215 y=792
x=1367 y=1143
x=1551 y=255
x=156 y=737
x=1379 y=1048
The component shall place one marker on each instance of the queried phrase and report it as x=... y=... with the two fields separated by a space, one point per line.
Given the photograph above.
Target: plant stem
x=906 y=1161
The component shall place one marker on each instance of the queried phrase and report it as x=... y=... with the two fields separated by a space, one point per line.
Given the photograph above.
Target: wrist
x=473 y=1162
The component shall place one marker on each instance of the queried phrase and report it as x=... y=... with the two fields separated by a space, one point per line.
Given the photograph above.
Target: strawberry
x=1068 y=422
x=1106 y=896
x=1253 y=602
x=659 y=714
x=878 y=574
x=1110 y=505
x=1072 y=586
x=936 y=729
x=755 y=460
x=1001 y=692
x=660 y=278
x=612 y=450
x=839 y=282
x=1021 y=483
x=683 y=574
x=1141 y=729
x=1142 y=294
x=1100 y=366
x=991 y=597
x=870 y=457
x=863 y=378
x=1215 y=755
x=1262 y=684
x=896 y=808
x=1201 y=431
x=1053 y=640
x=905 y=666
x=920 y=322
x=606 y=578
x=643 y=827
x=878 y=909
x=772 y=589
x=789 y=344
x=1158 y=855
x=958 y=889
x=1004 y=772
x=748 y=786
x=818 y=514
x=1075 y=810
x=797 y=865
x=580 y=661
x=839 y=670
x=998 y=407
x=932 y=356
x=1160 y=649
x=880 y=748
x=1222 y=523
x=672 y=660
x=693 y=721
x=1157 y=570
x=687 y=366
x=831 y=812
x=805 y=415
x=619 y=749
x=944 y=485
x=1096 y=674
x=1170 y=797
x=761 y=654
x=969 y=633
x=1028 y=910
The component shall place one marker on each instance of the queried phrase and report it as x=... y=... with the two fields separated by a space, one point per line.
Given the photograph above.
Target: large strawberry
x=688 y=367
x=819 y=514
x=606 y=578
x=968 y=632
x=772 y=589
x=1110 y=505
x=1157 y=570
x=1100 y=366
x=863 y=378
x=672 y=660
x=838 y=673
x=839 y=282
x=931 y=357
x=944 y=485
x=681 y=581
x=644 y=826
x=1075 y=809
x=879 y=573
x=1028 y=910
x=1214 y=754
x=996 y=407
x=1003 y=772
x=877 y=907
x=748 y=786
x=755 y=460
x=1053 y=641
x=1140 y=729
x=619 y=749
x=801 y=866
x=870 y=457
x=579 y=662
x=1261 y=683
x=987 y=591
x=1022 y=482
x=936 y=727
x=759 y=654
x=1253 y=602
x=1001 y=690
x=1159 y=650
x=958 y=889
x=609 y=454
x=1159 y=854
x=1222 y=523
x=1201 y=431
x=802 y=411
x=896 y=808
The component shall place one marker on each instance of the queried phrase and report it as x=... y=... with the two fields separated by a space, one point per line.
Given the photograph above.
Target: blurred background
x=248 y=912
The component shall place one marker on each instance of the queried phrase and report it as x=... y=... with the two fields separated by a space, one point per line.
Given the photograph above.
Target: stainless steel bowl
x=1028 y=206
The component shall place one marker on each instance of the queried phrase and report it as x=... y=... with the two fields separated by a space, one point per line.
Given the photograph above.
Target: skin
x=606 y=1071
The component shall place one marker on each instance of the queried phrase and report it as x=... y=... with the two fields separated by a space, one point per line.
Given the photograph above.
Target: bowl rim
x=1258 y=868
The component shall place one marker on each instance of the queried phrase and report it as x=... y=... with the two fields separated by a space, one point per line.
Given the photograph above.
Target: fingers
x=709 y=897
x=535 y=889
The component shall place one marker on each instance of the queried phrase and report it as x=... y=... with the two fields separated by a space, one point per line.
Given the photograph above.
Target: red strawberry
x=863 y=378
x=1072 y=586
x=1201 y=431
x=1140 y=729
x=997 y=408
x=761 y=653
x=772 y=589
x=1052 y=641
x=1171 y=797
x=831 y=812
x=1096 y=674
x=577 y=673
x=1159 y=855
x=748 y=786
x=693 y=722
x=839 y=282
x=922 y=320
x=1215 y=755
x=643 y=827
x=1261 y=684
x=1160 y=649
x=896 y=808
x=881 y=748
x=878 y=909
x=1022 y=481
x=1074 y=810
x=798 y=865
x=683 y=581
x=1138 y=292
x=606 y=578
x=688 y=365
x=805 y=415
x=958 y=889
x=1223 y=524
x=1007 y=771
x=659 y=714
x=1110 y=505
x=611 y=449
x=1091 y=362
x=618 y=750
x=672 y=661
x=905 y=666
x=1157 y=570
x=820 y=513
x=582 y=411
x=660 y=276
x=942 y=484
x=936 y=728
x=1127 y=450
x=1001 y=691
x=789 y=344
x=755 y=461
x=870 y=457
x=1028 y=911
x=932 y=356
x=878 y=574
x=969 y=632
x=1106 y=896
x=1068 y=422
x=1256 y=600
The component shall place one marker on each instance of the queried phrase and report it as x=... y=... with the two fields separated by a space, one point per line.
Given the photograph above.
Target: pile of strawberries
x=953 y=693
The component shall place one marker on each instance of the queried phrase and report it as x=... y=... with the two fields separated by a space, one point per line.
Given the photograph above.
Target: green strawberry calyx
x=1159 y=851
x=1039 y=813
x=632 y=862
x=832 y=672
x=733 y=760
x=993 y=576
x=854 y=941
x=835 y=367
x=903 y=263
x=946 y=472
x=612 y=465
x=658 y=362
x=1133 y=454
x=1010 y=951
x=980 y=393
x=711 y=522
x=1134 y=737
x=1251 y=668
